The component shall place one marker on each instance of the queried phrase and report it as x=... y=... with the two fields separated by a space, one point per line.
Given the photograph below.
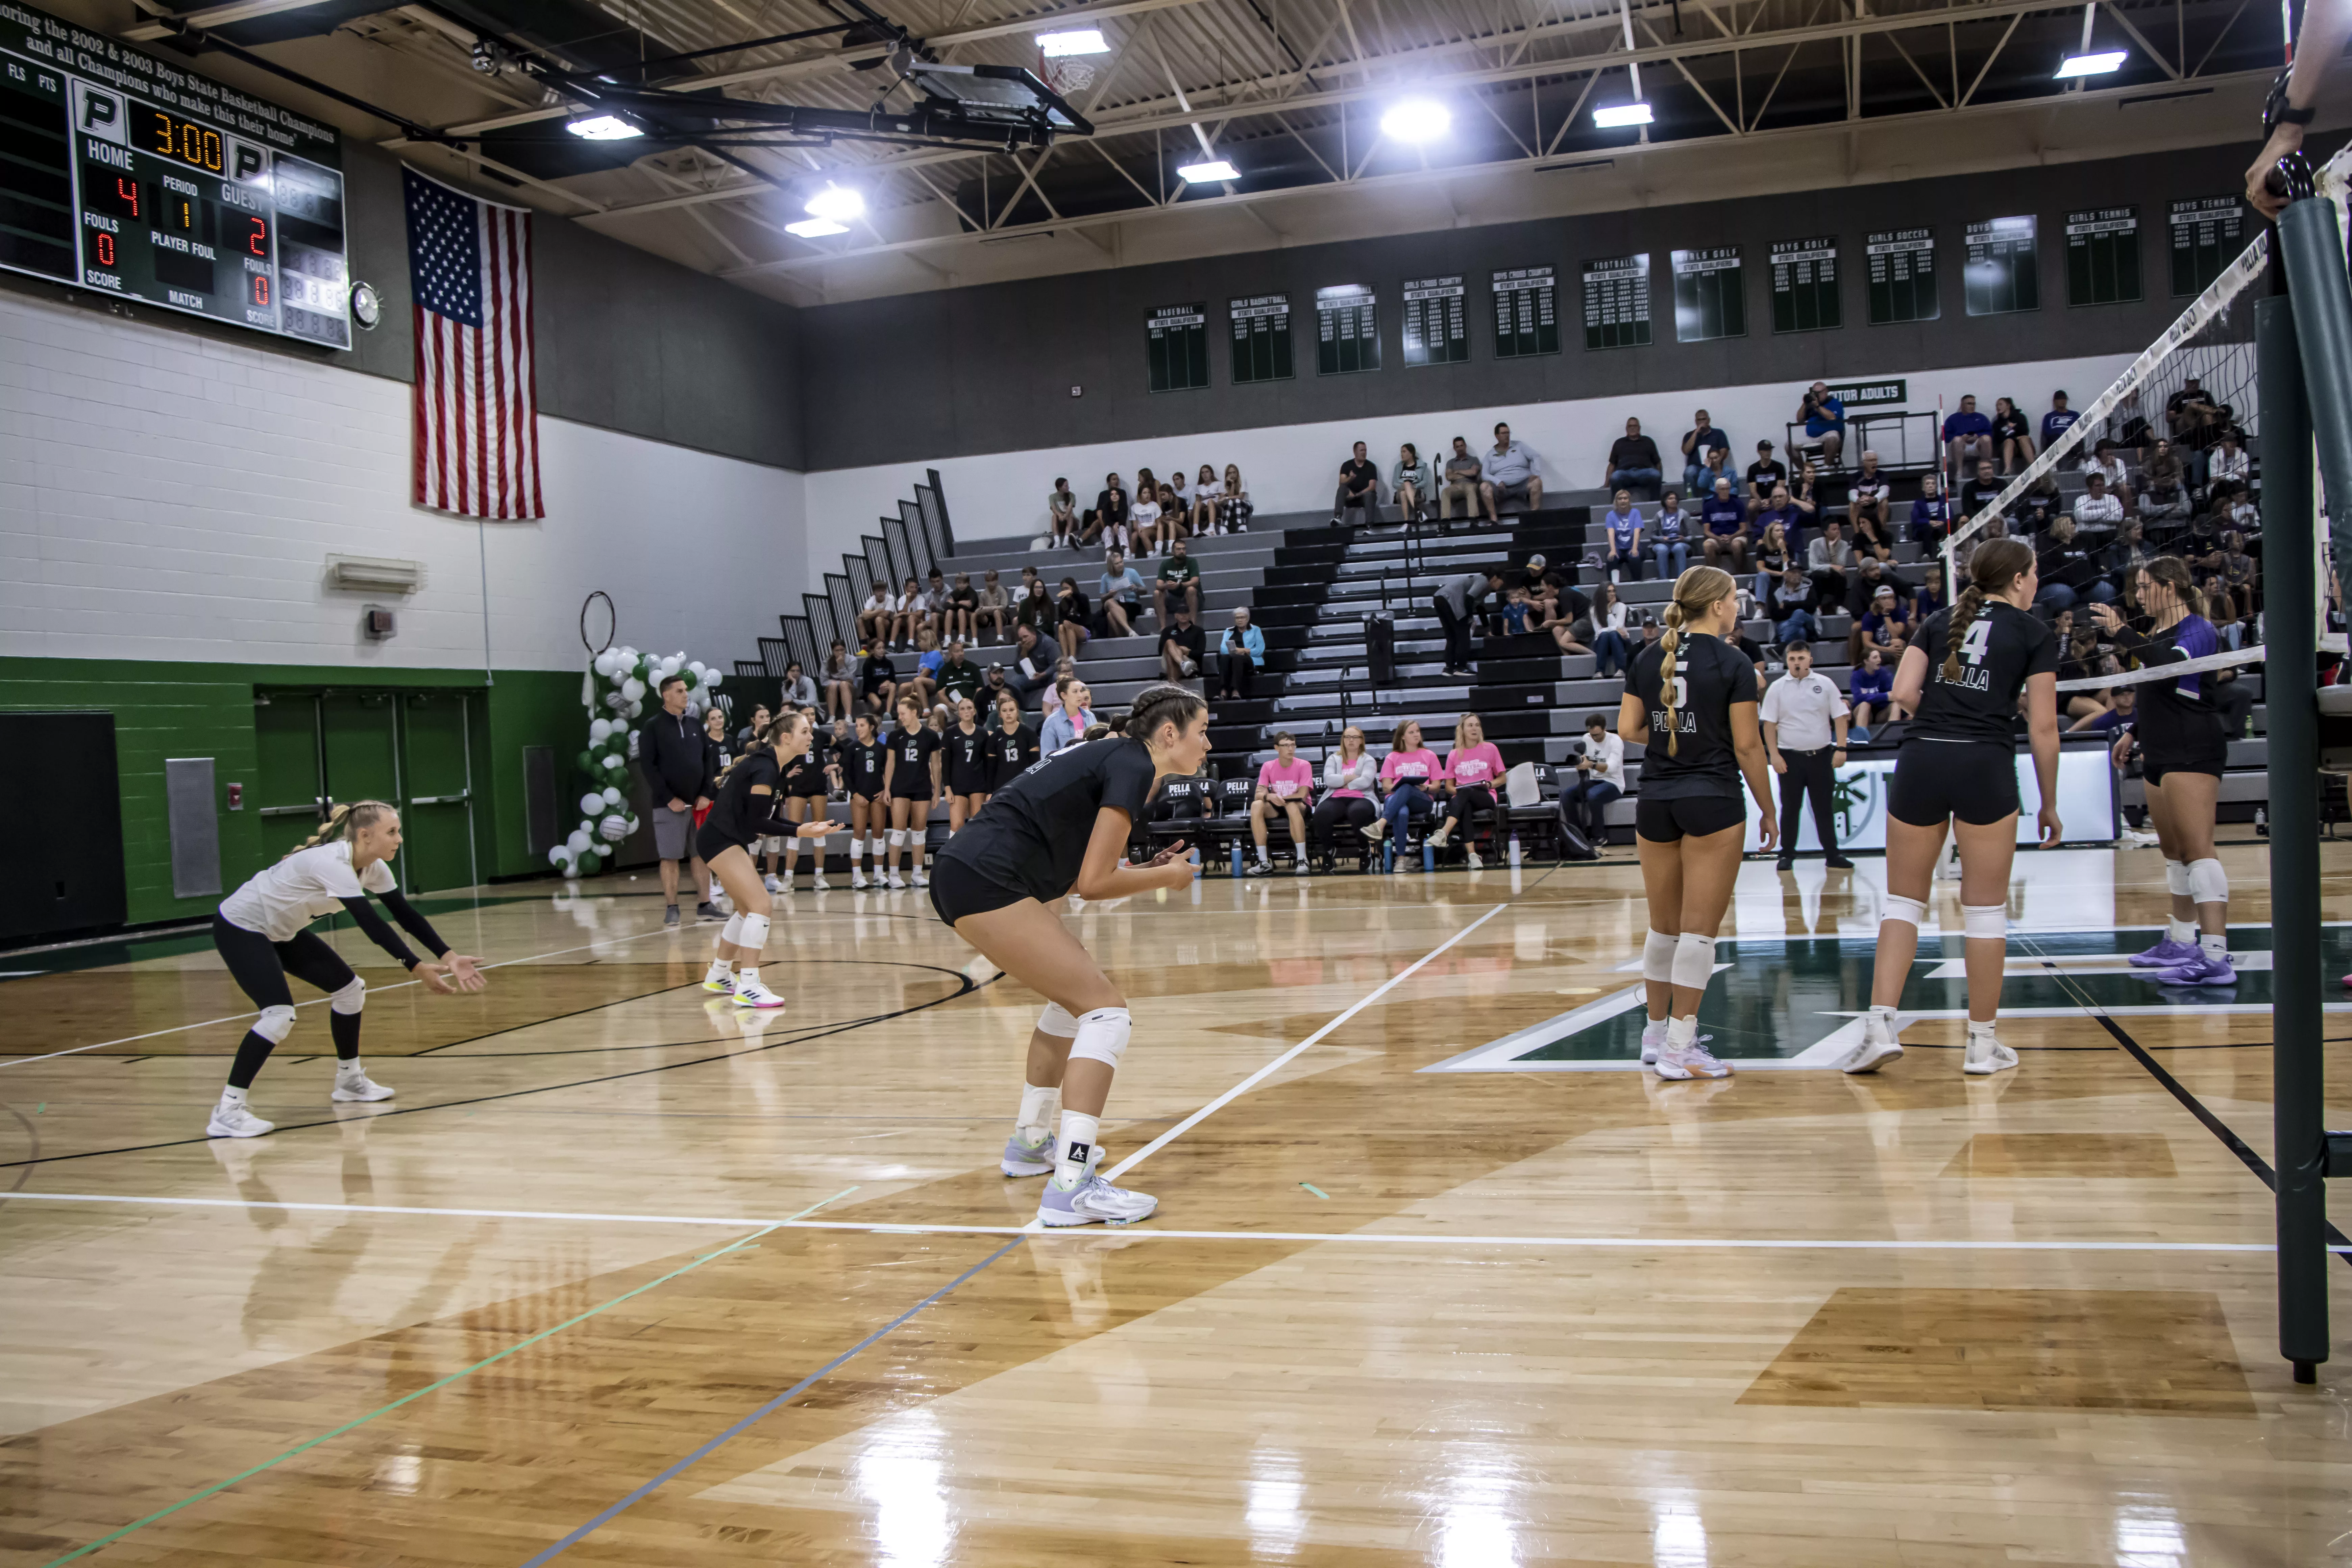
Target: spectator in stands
x=2058 y=421
x=877 y=615
x=1888 y=626
x=1183 y=646
x=761 y=717
x=1034 y=659
x=1823 y=414
x=1071 y=613
x=2165 y=499
x=1869 y=491
x=1827 y=559
x=1360 y=490
x=877 y=678
x=960 y=678
x=1598 y=779
x=1633 y=459
x=1121 y=589
x=1983 y=491
x=2122 y=559
x=2012 y=438
x=1621 y=538
x=1805 y=494
x=1870 y=691
x=1774 y=555
x=1070 y=720
x=914 y=612
x=1717 y=467
x=1032 y=606
x=2240 y=580
x=2128 y=423
x=2229 y=460
x=1513 y=481
x=1458 y=601
x=1143 y=518
x=799 y=690
x=924 y=683
x=1792 y=608
x=1569 y=618
x=1180 y=575
x=1241 y=654
x=1474 y=766
x=2105 y=717
x=1701 y=438
x=1870 y=575
x=2094 y=508
x=1234 y=508
x=1350 y=776
x=1667 y=532
x=840 y=675
x=1408 y=774
x=1546 y=585
x=1175 y=515
x=2068 y=571
x=2195 y=418
x=2201 y=544
x=1725 y=516
x=1409 y=486
x=962 y=609
x=991 y=607
x=1207 y=497
x=1765 y=475
x=2107 y=460
x=1285 y=784
x=1463 y=474
x=1931 y=514
x=1062 y=505
x=1968 y=437
x=1615 y=630
x=1109 y=514
x=2236 y=507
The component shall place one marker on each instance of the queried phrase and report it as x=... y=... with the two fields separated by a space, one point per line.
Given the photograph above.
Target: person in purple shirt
x=2056 y=423
x=1725 y=518
x=1931 y=514
x=1788 y=515
x=1968 y=435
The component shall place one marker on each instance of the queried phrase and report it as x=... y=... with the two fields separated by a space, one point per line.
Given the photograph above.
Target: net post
x=2289 y=688
x=2311 y=249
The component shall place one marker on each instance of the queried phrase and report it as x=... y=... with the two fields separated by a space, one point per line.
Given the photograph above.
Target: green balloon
x=688 y=676
x=587 y=761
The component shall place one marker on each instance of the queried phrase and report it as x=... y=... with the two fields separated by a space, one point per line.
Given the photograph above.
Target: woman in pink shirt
x=1409 y=775
x=1474 y=768
x=1284 y=785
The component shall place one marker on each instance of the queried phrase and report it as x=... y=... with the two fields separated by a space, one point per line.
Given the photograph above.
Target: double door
x=318 y=749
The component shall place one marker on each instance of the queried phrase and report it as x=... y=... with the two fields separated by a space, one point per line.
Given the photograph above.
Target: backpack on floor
x=1573 y=845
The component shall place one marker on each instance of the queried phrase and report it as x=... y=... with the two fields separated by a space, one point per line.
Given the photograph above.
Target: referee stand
x=2303 y=340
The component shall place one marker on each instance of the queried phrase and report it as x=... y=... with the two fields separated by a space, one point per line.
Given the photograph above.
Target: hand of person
x=1769 y=830
x=1174 y=851
x=434 y=977
x=463 y=972
x=1837 y=757
x=702 y=801
x=2051 y=829
x=2122 y=750
x=675 y=804
x=1779 y=764
x=820 y=828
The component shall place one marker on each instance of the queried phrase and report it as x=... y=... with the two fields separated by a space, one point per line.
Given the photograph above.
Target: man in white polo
x=1804 y=719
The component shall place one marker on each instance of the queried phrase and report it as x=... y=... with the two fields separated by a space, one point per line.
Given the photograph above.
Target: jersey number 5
x=1978 y=640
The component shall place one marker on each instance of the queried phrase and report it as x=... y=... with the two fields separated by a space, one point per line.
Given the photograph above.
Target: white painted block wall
x=1296 y=468
x=167 y=497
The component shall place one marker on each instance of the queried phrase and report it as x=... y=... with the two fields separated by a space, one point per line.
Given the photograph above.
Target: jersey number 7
x=1978 y=640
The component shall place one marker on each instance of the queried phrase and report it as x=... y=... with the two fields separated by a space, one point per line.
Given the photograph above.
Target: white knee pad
x=1910 y=911
x=2208 y=883
x=2176 y=878
x=351 y=998
x=1658 y=957
x=732 y=932
x=1056 y=1020
x=1102 y=1036
x=754 y=934
x=1984 y=922
x=897 y=838
x=1694 y=964
x=275 y=1023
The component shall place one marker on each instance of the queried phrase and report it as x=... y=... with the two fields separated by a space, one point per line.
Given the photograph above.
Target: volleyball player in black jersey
x=1690 y=698
x=1012 y=745
x=911 y=774
x=2184 y=749
x=967 y=769
x=1062 y=827
x=803 y=790
x=1962 y=677
x=865 y=766
x=747 y=809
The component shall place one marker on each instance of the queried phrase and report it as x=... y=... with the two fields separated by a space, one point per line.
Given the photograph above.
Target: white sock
x=1983 y=1031
x=231 y=1095
x=2216 y=948
x=1037 y=1108
x=2179 y=930
x=720 y=968
x=1261 y=855
x=1079 y=1134
x=1682 y=1033
x=747 y=976
x=351 y=1069
x=1654 y=1031
x=874 y=844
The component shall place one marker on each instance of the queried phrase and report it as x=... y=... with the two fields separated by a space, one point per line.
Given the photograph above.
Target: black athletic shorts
x=2153 y=767
x=972 y=780
x=957 y=890
x=920 y=789
x=1692 y=817
x=1936 y=781
x=708 y=841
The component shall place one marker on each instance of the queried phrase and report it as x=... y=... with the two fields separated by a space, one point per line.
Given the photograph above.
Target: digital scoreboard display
x=123 y=173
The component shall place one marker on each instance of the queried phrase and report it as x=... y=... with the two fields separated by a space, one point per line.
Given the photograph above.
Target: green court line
x=1317 y=1190
x=219 y=1487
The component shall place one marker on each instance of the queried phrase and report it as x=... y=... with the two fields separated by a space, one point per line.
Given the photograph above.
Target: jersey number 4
x=1978 y=641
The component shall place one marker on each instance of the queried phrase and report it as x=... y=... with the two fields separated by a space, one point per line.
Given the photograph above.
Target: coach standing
x=1458 y=601
x=678 y=769
x=1804 y=719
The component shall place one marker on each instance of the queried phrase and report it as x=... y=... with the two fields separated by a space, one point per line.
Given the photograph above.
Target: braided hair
x=1694 y=592
x=1994 y=566
x=1163 y=702
x=344 y=824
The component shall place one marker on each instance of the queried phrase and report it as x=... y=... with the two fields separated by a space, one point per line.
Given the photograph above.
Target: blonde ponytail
x=1694 y=592
x=1994 y=565
x=344 y=823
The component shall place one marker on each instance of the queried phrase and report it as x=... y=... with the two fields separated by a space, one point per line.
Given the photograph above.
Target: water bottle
x=1428 y=855
x=1237 y=858
x=2261 y=823
x=1515 y=852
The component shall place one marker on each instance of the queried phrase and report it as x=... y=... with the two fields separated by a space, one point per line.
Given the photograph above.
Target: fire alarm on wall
x=1077 y=392
x=377 y=623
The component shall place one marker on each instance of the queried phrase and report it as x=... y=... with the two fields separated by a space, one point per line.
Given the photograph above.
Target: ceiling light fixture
x=603 y=128
x=1210 y=172
x=840 y=203
x=1076 y=41
x=1416 y=120
x=2091 y=65
x=815 y=228
x=1622 y=114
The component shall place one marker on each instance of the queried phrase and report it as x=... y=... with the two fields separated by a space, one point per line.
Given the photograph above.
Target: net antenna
x=2212 y=340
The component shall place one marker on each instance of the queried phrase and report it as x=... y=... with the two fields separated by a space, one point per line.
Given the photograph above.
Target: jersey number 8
x=1978 y=641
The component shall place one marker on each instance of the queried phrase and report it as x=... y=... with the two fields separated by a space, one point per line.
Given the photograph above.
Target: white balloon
x=613 y=828
x=633 y=824
x=578 y=842
x=555 y=856
x=612 y=795
x=599 y=730
x=632 y=690
x=592 y=803
x=637 y=709
x=608 y=664
x=711 y=680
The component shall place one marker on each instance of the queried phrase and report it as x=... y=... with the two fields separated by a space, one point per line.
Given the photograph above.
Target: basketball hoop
x=1065 y=76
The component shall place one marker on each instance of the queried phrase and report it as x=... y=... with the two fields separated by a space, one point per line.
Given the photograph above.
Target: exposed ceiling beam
x=218 y=17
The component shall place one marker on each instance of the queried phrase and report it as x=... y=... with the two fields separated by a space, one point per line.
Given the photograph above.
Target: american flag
x=476 y=401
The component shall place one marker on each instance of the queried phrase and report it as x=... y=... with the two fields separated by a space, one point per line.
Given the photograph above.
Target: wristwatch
x=2275 y=111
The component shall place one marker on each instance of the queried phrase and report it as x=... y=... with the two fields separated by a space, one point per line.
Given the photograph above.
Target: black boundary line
x=817 y=1033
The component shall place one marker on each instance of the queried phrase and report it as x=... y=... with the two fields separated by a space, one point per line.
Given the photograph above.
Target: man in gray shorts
x=676 y=764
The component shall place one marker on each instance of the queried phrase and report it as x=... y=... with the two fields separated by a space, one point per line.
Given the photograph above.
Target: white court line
x=1375 y=1238
x=1391 y=983
x=315 y=1001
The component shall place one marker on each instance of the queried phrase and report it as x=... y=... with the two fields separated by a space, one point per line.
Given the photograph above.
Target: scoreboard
x=125 y=174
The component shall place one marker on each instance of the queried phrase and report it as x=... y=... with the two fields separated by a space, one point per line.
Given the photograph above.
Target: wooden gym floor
x=622 y=1277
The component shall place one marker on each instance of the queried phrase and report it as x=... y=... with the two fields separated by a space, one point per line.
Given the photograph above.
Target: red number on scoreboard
x=260 y=290
x=105 y=249
x=257 y=242
x=128 y=190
